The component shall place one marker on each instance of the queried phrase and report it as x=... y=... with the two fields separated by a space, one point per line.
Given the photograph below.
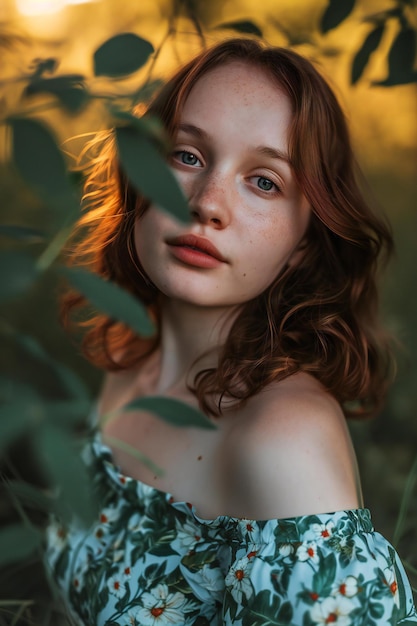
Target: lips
x=199 y=244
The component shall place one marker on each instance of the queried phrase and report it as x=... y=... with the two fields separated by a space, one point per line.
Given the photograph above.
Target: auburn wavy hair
x=318 y=316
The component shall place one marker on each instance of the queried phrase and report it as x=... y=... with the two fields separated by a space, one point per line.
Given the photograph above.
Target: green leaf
x=150 y=127
x=243 y=26
x=70 y=89
x=32 y=350
x=401 y=59
x=405 y=503
x=111 y=299
x=17 y=542
x=17 y=273
x=324 y=577
x=121 y=55
x=172 y=411
x=285 y=613
x=148 y=172
x=30 y=496
x=59 y=456
x=41 y=66
x=195 y=560
x=40 y=162
x=362 y=56
x=335 y=13
x=22 y=233
x=15 y=421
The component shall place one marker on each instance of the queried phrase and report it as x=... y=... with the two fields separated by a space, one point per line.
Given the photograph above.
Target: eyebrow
x=268 y=151
x=193 y=130
x=274 y=153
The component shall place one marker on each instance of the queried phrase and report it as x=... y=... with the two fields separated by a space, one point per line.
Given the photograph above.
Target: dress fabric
x=151 y=561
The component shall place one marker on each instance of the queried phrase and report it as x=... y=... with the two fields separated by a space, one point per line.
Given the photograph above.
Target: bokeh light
x=44 y=7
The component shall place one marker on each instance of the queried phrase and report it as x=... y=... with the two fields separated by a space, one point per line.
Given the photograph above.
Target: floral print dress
x=151 y=561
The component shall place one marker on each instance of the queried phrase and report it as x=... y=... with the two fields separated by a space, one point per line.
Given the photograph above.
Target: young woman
x=265 y=306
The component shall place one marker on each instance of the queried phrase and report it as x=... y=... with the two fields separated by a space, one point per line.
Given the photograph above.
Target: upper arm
x=292 y=457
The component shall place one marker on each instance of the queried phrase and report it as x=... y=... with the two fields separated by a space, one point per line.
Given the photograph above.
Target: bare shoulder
x=289 y=453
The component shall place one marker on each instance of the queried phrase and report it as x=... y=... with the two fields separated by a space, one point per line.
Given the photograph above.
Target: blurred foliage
x=46 y=389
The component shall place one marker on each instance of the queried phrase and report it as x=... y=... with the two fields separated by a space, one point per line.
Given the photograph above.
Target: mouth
x=197 y=244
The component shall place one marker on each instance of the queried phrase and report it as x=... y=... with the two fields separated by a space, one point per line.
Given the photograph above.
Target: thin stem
x=405 y=503
x=53 y=249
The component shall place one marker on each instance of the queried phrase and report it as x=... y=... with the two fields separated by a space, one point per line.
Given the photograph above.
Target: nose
x=210 y=201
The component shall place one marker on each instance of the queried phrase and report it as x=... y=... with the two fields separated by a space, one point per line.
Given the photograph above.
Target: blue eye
x=188 y=158
x=265 y=184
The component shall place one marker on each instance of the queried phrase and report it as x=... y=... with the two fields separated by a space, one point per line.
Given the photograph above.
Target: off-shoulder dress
x=149 y=560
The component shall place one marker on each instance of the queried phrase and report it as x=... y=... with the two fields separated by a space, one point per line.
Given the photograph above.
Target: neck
x=191 y=338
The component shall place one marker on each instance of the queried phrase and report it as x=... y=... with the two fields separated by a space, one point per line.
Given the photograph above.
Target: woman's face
x=248 y=215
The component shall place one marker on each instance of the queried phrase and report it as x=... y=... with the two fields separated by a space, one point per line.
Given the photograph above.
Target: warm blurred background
x=381 y=107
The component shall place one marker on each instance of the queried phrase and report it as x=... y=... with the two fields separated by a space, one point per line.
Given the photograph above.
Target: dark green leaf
x=40 y=162
x=244 y=26
x=335 y=13
x=40 y=66
x=67 y=413
x=362 y=56
x=150 y=127
x=17 y=542
x=376 y=609
x=69 y=89
x=149 y=173
x=17 y=273
x=22 y=233
x=121 y=55
x=401 y=59
x=26 y=409
x=59 y=456
x=16 y=419
x=32 y=350
x=172 y=411
x=195 y=560
x=111 y=299
x=285 y=613
x=30 y=496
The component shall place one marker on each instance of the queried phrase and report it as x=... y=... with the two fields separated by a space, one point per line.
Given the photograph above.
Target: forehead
x=246 y=80
x=241 y=96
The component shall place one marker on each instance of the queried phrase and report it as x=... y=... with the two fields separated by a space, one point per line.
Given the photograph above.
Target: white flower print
x=348 y=587
x=323 y=531
x=392 y=584
x=308 y=552
x=247 y=528
x=161 y=608
x=238 y=580
x=188 y=534
x=207 y=582
x=333 y=610
x=127 y=572
x=130 y=618
x=108 y=515
x=139 y=524
x=57 y=536
x=116 y=586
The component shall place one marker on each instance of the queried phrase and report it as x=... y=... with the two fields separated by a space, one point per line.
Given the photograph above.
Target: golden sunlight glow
x=31 y=8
